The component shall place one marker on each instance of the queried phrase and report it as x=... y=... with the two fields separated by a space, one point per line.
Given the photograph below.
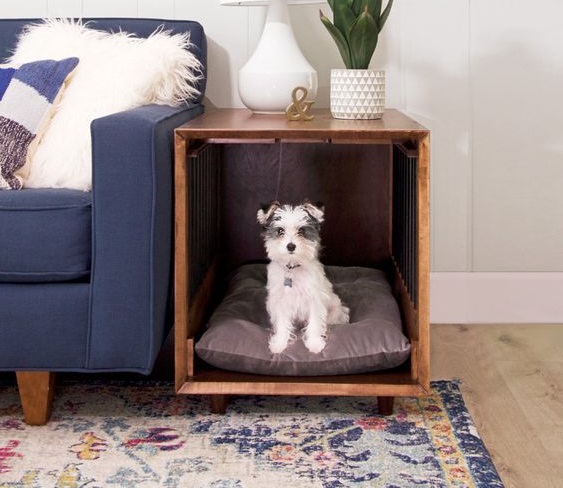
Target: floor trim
x=496 y=297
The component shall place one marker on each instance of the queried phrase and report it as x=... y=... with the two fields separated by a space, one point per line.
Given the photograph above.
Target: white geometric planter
x=357 y=93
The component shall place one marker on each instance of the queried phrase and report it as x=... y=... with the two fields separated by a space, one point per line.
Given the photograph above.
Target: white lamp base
x=277 y=66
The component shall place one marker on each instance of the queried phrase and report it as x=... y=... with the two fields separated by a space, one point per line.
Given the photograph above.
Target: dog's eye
x=280 y=232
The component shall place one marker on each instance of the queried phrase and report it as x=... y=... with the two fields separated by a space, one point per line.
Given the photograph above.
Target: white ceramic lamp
x=277 y=65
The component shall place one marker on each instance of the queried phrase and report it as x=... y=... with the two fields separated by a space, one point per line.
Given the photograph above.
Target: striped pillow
x=27 y=98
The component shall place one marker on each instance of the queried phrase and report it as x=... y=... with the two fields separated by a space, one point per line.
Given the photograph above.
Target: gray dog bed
x=236 y=337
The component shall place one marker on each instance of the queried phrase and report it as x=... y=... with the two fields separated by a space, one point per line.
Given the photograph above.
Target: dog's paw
x=277 y=343
x=314 y=344
x=345 y=315
x=339 y=315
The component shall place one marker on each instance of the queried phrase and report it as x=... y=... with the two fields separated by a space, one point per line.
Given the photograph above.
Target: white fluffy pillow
x=116 y=72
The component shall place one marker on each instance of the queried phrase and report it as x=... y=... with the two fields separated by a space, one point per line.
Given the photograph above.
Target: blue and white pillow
x=27 y=95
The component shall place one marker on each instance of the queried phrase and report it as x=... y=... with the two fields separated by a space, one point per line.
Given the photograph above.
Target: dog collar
x=287 y=280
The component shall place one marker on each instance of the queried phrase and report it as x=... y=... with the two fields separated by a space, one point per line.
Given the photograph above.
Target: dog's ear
x=316 y=210
x=266 y=212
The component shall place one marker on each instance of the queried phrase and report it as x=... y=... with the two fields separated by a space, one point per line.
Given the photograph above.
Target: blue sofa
x=85 y=277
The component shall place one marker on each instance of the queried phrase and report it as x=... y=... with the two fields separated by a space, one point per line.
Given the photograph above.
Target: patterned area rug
x=125 y=434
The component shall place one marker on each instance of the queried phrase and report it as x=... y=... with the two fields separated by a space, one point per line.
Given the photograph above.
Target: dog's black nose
x=291 y=247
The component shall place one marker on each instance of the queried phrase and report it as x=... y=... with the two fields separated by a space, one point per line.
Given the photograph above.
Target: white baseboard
x=496 y=297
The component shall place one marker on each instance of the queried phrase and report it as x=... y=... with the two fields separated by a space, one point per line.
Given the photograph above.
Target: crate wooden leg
x=36 y=390
x=385 y=405
x=219 y=403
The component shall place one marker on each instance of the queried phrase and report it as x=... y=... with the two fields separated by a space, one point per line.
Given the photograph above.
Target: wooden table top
x=242 y=123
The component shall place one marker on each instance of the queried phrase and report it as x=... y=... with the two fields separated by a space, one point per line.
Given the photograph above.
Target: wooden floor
x=512 y=383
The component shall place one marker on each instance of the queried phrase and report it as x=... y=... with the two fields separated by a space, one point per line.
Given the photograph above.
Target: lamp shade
x=277 y=65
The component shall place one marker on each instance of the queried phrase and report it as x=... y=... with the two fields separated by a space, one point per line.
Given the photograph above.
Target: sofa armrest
x=132 y=234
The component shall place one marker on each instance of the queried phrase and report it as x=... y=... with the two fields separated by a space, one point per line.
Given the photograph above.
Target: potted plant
x=357 y=92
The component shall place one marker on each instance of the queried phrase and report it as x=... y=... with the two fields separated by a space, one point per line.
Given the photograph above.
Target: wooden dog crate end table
x=213 y=149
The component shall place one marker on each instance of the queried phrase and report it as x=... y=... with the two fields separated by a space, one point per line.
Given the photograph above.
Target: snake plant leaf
x=357 y=6
x=343 y=16
x=339 y=39
x=384 y=15
x=363 y=39
x=374 y=7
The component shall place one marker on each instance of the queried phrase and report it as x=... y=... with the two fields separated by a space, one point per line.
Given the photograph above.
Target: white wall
x=484 y=75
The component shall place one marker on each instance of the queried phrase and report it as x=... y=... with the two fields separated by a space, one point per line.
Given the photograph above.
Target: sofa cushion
x=46 y=235
x=237 y=335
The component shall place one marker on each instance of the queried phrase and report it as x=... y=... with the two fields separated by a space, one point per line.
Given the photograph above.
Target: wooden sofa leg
x=36 y=390
x=219 y=403
x=385 y=405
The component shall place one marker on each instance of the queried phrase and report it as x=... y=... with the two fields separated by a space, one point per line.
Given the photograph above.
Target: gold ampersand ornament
x=299 y=108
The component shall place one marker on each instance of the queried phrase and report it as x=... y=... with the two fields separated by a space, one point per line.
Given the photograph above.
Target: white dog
x=298 y=289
